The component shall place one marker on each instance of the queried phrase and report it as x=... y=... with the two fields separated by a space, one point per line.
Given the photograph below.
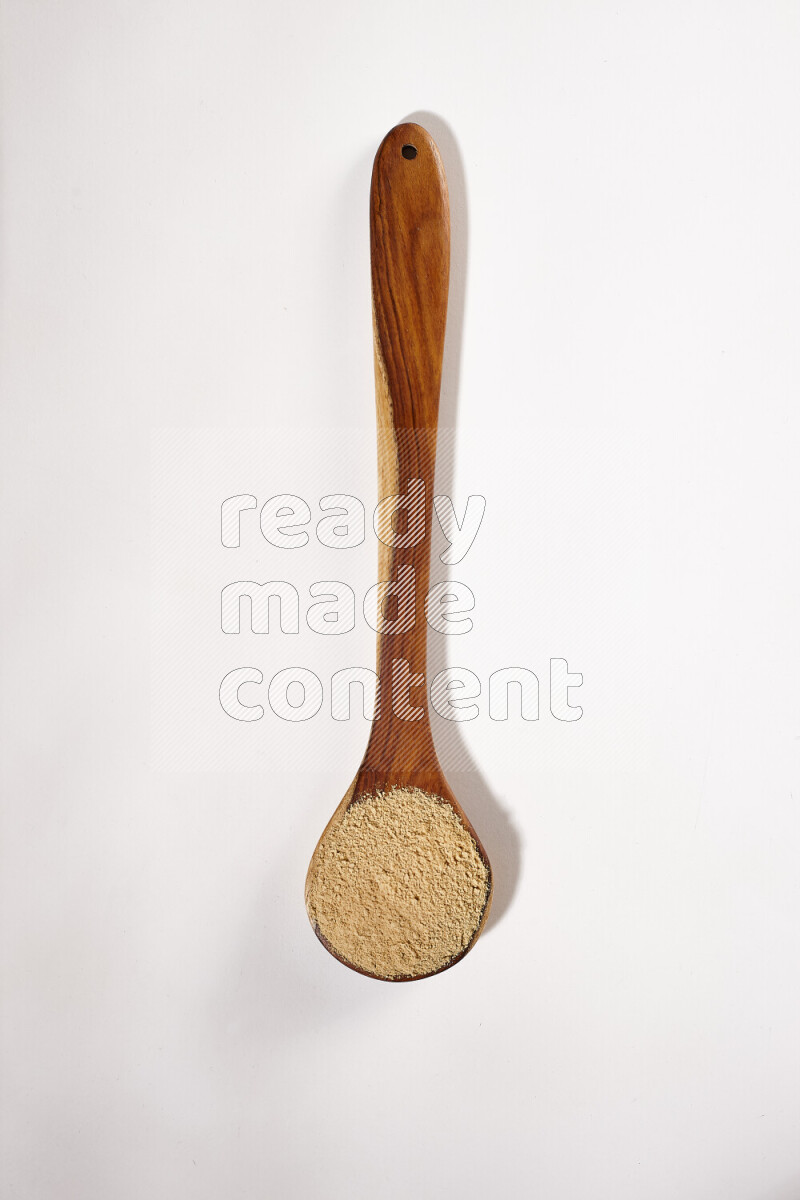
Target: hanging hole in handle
x=409 y=151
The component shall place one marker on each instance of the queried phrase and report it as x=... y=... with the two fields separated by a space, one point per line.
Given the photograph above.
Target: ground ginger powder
x=397 y=887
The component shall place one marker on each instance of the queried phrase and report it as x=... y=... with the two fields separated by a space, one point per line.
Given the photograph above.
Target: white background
x=185 y=263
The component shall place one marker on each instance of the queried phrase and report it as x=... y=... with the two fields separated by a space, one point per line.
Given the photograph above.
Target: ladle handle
x=410 y=254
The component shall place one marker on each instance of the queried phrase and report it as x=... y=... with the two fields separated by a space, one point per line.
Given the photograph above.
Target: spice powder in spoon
x=398 y=888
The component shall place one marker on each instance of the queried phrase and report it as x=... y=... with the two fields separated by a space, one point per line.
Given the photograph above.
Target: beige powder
x=397 y=887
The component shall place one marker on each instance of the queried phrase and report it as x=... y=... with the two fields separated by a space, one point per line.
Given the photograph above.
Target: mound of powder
x=397 y=887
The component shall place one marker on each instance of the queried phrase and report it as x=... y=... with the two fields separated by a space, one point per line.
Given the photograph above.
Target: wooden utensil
x=410 y=252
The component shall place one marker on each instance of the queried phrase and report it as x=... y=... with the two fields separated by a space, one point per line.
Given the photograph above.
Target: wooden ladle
x=410 y=253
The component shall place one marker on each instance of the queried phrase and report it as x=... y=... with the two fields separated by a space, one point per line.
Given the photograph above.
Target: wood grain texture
x=410 y=260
